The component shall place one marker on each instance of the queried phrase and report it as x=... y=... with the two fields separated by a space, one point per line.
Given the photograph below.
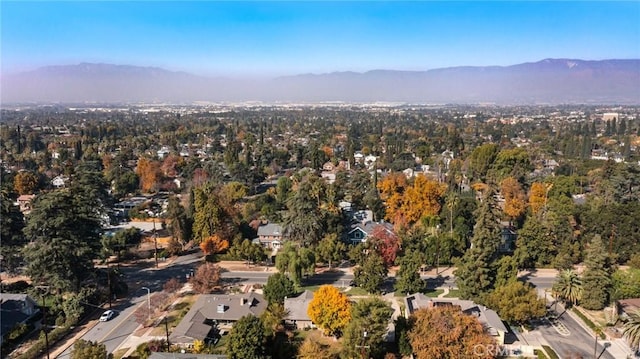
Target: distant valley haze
x=548 y=81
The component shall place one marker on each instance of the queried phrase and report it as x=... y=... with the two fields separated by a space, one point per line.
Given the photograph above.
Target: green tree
x=408 y=277
x=372 y=316
x=179 y=224
x=278 y=287
x=304 y=221
x=568 y=287
x=288 y=262
x=63 y=233
x=246 y=339
x=481 y=160
x=533 y=247
x=331 y=249
x=83 y=349
x=371 y=273
x=516 y=302
x=11 y=226
x=625 y=284
x=477 y=269
x=596 y=279
x=507 y=271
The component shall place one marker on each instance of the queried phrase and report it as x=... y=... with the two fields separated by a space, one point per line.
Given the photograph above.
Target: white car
x=106 y=316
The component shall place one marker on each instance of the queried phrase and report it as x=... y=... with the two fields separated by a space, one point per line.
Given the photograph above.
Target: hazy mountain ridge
x=546 y=81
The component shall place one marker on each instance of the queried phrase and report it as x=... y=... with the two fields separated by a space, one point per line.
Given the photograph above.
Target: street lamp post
x=148 y=300
x=364 y=345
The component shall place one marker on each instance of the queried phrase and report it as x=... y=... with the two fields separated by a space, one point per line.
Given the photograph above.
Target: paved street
x=578 y=341
x=116 y=331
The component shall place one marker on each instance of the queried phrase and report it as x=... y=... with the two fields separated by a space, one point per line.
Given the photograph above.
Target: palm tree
x=631 y=330
x=568 y=286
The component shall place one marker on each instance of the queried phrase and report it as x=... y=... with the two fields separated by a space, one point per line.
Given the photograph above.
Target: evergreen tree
x=477 y=270
x=11 y=226
x=63 y=233
x=596 y=279
x=372 y=316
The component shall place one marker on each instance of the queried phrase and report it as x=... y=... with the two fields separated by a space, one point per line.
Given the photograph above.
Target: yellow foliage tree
x=311 y=349
x=514 y=198
x=330 y=310
x=537 y=197
x=214 y=244
x=422 y=199
x=199 y=346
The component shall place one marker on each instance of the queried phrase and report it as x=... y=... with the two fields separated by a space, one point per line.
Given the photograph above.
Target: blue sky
x=280 y=38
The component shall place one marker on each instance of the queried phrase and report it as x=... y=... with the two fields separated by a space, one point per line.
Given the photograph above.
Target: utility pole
x=166 y=328
x=155 y=241
x=44 y=319
x=148 y=300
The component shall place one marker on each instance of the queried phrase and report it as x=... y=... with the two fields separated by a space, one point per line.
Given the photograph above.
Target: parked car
x=108 y=315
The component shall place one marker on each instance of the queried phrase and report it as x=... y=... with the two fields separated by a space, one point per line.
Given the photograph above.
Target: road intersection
x=115 y=332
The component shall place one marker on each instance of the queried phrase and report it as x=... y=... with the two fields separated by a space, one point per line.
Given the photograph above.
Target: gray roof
x=11 y=310
x=486 y=316
x=270 y=229
x=297 y=307
x=206 y=308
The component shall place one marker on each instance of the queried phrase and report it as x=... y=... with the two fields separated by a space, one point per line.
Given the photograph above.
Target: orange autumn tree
x=214 y=244
x=514 y=198
x=447 y=332
x=392 y=189
x=422 y=199
x=148 y=171
x=330 y=310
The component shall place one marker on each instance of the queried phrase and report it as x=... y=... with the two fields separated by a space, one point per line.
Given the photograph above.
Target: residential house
x=213 y=313
x=24 y=202
x=15 y=309
x=163 y=152
x=270 y=235
x=487 y=317
x=297 y=310
x=60 y=181
x=509 y=237
x=362 y=226
x=628 y=306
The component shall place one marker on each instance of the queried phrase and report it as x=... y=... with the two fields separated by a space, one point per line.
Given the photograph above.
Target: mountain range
x=550 y=81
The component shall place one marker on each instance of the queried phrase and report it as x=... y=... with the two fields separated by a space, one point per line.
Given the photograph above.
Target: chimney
x=220 y=308
x=242 y=301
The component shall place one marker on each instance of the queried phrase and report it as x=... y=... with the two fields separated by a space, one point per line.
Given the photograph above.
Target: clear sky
x=281 y=38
